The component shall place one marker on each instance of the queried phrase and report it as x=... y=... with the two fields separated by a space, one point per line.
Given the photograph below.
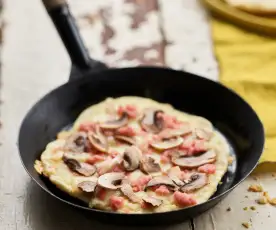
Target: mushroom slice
x=195 y=161
x=80 y=167
x=111 y=180
x=167 y=143
x=151 y=122
x=76 y=142
x=196 y=181
x=149 y=165
x=170 y=133
x=129 y=140
x=203 y=134
x=115 y=124
x=152 y=200
x=87 y=186
x=98 y=140
x=174 y=173
x=126 y=189
x=108 y=164
x=131 y=158
x=161 y=180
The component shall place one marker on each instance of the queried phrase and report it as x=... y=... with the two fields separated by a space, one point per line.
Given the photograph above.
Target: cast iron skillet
x=91 y=82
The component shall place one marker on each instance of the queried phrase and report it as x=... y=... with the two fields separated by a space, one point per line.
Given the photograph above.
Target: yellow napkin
x=248 y=66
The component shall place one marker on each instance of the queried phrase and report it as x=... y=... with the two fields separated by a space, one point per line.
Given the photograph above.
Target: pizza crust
x=59 y=174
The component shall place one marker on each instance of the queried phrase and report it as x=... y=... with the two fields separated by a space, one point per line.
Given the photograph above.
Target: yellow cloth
x=248 y=66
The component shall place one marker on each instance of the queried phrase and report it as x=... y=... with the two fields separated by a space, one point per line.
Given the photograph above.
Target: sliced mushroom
x=174 y=174
x=131 y=158
x=161 y=180
x=203 y=134
x=195 y=161
x=170 y=133
x=167 y=143
x=203 y=128
x=111 y=180
x=115 y=124
x=151 y=122
x=152 y=200
x=129 y=140
x=87 y=186
x=128 y=192
x=149 y=165
x=109 y=164
x=196 y=181
x=98 y=140
x=80 y=167
x=76 y=142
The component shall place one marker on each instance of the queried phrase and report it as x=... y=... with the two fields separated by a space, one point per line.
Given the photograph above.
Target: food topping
x=161 y=180
x=84 y=169
x=208 y=168
x=149 y=165
x=115 y=124
x=116 y=202
x=184 y=199
x=126 y=131
x=174 y=174
x=98 y=140
x=167 y=143
x=140 y=183
x=151 y=122
x=87 y=186
x=109 y=164
x=162 y=191
x=170 y=133
x=131 y=158
x=152 y=201
x=195 y=161
x=130 y=110
x=111 y=180
x=126 y=139
x=76 y=142
x=195 y=182
x=129 y=193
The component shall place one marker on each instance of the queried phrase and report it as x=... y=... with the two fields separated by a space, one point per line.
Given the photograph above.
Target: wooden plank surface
x=121 y=33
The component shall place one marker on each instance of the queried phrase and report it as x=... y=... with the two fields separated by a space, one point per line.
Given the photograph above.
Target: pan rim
x=87 y=77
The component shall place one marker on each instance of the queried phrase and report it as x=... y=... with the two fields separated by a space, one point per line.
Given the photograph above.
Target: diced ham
x=193 y=146
x=208 y=168
x=162 y=190
x=126 y=131
x=88 y=126
x=140 y=183
x=116 y=202
x=101 y=194
x=131 y=110
x=170 y=122
x=183 y=199
x=164 y=159
x=94 y=159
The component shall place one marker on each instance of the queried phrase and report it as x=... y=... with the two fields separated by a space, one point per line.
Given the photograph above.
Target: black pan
x=91 y=82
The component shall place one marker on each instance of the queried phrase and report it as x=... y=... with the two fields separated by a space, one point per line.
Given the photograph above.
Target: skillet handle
x=68 y=31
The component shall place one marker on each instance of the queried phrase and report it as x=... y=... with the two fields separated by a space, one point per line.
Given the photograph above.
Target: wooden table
x=122 y=33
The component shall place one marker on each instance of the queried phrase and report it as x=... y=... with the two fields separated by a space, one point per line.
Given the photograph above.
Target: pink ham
x=184 y=199
x=208 y=169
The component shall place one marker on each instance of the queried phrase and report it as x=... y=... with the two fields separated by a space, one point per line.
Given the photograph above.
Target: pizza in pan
x=135 y=155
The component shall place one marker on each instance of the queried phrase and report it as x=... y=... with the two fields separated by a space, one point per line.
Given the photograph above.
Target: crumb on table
x=245 y=224
x=255 y=188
